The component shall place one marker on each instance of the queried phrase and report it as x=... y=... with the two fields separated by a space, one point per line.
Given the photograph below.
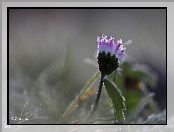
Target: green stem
x=97 y=97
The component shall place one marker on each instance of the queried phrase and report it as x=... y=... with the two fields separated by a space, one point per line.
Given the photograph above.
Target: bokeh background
x=56 y=41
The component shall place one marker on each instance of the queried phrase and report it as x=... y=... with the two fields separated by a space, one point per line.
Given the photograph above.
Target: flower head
x=109 y=54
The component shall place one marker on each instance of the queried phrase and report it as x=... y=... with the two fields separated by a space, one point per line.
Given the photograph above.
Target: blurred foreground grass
x=46 y=98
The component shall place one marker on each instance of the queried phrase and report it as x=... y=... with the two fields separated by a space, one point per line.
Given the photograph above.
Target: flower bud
x=109 y=54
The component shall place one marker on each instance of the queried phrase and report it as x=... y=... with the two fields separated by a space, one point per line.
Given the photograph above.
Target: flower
x=109 y=54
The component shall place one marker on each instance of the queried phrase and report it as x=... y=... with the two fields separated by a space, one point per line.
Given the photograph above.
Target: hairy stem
x=97 y=97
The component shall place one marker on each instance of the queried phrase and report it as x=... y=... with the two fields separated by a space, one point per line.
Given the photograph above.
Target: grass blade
x=73 y=104
x=139 y=108
x=116 y=97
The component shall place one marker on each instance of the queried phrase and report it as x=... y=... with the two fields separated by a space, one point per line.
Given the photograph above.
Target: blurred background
x=47 y=48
